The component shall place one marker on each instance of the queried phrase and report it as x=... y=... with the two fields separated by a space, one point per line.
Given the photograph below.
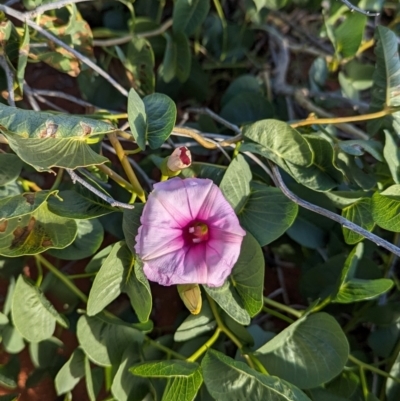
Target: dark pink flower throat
x=196 y=232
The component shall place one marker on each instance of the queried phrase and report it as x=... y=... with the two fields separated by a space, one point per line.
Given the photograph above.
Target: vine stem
x=221 y=324
x=165 y=349
x=123 y=158
x=206 y=346
x=330 y=215
x=340 y=120
x=282 y=307
x=62 y=277
x=67 y=281
x=23 y=18
x=116 y=177
x=371 y=368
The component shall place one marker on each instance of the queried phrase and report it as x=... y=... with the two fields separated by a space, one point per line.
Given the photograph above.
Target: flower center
x=197 y=232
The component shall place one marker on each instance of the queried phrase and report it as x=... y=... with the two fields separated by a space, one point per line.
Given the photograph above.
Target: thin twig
x=126 y=39
x=330 y=215
x=63 y=95
x=75 y=178
x=21 y=17
x=205 y=142
x=49 y=103
x=216 y=117
x=29 y=94
x=352 y=7
x=51 y=6
x=10 y=80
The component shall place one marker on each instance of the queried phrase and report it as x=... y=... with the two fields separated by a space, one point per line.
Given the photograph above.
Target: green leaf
x=12 y=340
x=195 y=325
x=349 y=34
x=109 y=280
x=137 y=288
x=184 y=378
x=241 y=85
x=10 y=168
x=140 y=62
x=355 y=171
x=205 y=170
x=360 y=214
x=280 y=142
x=386 y=208
x=125 y=386
x=392 y=156
x=248 y=275
x=235 y=184
x=165 y=369
x=89 y=237
x=94 y=380
x=33 y=315
x=42 y=125
x=227 y=380
x=131 y=224
x=358 y=147
x=267 y=214
x=137 y=118
x=188 y=15
x=161 y=116
x=386 y=80
x=21 y=205
x=393 y=387
x=9 y=373
x=356 y=290
x=349 y=267
x=177 y=59
x=34 y=233
x=117 y=275
x=247 y=107
x=23 y=57
x=78 y=205
x=228 y=299
x=322 y=175
x=71 y=372
x=43 y=154
x=308 y=353
x=105 y=340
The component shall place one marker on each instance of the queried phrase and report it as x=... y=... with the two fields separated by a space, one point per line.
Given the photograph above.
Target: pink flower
x=189 y=234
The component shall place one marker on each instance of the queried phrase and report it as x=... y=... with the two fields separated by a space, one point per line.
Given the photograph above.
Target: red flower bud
x=179 y=159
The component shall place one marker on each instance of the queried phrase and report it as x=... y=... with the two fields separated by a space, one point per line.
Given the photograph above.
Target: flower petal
x=166 y=269
x=220 y=259
x=152 y=242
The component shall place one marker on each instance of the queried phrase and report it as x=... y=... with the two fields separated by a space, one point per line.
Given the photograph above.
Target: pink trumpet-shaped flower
x=189 y=234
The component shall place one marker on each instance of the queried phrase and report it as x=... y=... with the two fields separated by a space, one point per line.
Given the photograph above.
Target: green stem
x=221 y=16
x=221 y=324
x=258 y=365
x=82 y=275
x=58 y=179
x=165 y=349
x=62 y=277
x=372 y=368
x=206 y=346
x=364 y=385
x=322 y=304
x=277 y=314
x=40 y=273
x=282 y=307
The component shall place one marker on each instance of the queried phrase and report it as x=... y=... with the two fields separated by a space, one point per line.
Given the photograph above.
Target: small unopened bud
x=179 y=159
x=191 y=297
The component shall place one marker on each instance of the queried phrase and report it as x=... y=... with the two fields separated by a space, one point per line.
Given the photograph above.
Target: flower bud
x=179 y=159
x=191 y=297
